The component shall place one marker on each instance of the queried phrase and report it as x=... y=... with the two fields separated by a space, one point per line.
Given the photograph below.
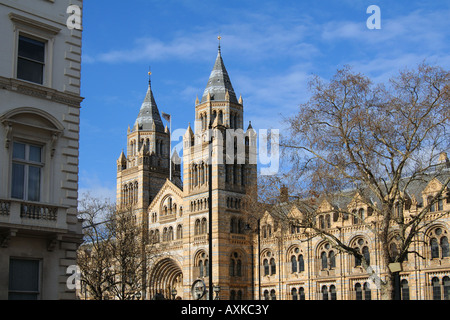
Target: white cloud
x=92 y=184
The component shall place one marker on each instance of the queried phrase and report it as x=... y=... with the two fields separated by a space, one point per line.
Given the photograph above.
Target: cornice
x=38 y=91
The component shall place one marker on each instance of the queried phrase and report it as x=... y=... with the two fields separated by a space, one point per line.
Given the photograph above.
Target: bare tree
x=114 y=257
x=94 y=257
x=377 y=140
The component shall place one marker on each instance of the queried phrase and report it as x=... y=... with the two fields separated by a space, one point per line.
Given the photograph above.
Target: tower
x=218 y=139
x=145 y=167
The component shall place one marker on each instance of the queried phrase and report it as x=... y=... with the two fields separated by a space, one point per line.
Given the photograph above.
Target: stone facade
x=275 y=263
x=40 y=101
x=176 y=211
x=306 y=267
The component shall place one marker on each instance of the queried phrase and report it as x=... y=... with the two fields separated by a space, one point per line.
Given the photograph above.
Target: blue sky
x=270 y=49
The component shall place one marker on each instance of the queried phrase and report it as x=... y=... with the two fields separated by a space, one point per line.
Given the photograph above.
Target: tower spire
x=219 y=38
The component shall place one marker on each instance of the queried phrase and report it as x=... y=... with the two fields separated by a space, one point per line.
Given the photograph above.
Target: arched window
x=301 y=293
x=430 y=200
x=366 y=254
x=323 y=257
x=273 y=295
x=294 y=294
x=439 y=246
x=273 y=267
x=232 y=295
x=436 y=288
x=361 y=214
x=361 y=246
x=293 y=264
x=444 y=247
x=367 y=292
x=404 y=289
x=358 y=291
x=170 y=234
x=235 y=265
x=327 y=257
x=301 y=263
x=179 y=232
x=332 y=259
x=232 y=267
x=434 y=246
x=204 y=226
x=266 y=267
x=355 y=216
x=197 y=227
x=446 y=287
x=201 y=264
x=266 y=294
x=333 y=295
x=268 y=263
x=324 y=293
x=232 y=225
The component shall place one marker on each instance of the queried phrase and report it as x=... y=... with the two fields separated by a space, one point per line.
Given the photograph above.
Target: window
x=436 y=288
x=301 y=263
x=273 y=267
x=26 y=172
x=201 y=263
x=333 y=295
x=404 y=289
x=235 y=265
x=362 y=247
x=446 y=285
x=269 y=264
x=358 y=292
x=327 y=257
x=294 y=263
x=301 y=293
x=266 y=267
x=273 y=295
x=367 y=292
x=179 y=232
x=324 y=293
x=23 y=279
x=439 y=246
x=31 y=60
x=294 y=294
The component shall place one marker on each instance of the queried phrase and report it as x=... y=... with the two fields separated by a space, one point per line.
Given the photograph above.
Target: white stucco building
x=40 y=65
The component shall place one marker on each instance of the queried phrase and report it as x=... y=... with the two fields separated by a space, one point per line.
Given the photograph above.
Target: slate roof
x=149 y=114
x=219 y=83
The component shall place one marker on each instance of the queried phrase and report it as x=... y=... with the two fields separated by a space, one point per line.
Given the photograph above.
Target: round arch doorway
x=165 y=276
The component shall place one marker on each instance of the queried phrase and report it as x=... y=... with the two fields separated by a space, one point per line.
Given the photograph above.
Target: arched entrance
x=165 y=276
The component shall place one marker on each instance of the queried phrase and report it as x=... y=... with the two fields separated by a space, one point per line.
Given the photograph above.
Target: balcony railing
x=38 y=211
x=32 y=214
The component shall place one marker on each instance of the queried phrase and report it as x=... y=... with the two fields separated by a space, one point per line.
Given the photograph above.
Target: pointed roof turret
x=219 y=83
x=149 y=117
x=122 y=158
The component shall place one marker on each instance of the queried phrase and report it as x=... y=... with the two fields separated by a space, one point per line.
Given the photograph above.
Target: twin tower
x=172 y=201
